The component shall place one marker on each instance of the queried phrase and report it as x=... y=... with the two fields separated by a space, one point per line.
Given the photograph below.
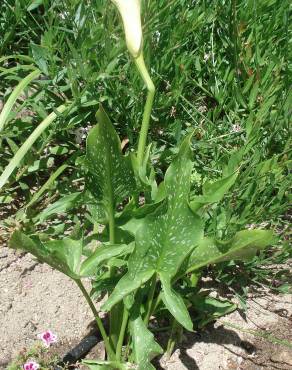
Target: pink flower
x=48 y=338
x=236 y=128
x=31 y=365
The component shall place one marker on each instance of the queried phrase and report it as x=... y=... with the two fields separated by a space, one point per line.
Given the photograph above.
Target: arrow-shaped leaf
x=164 y=240
x=175 y=304
x=242 y=246
x=111 y=178
x=63 y=255
x=144 y=346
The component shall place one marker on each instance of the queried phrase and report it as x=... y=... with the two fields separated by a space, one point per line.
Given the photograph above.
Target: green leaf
x=41 y=56
x=63 y=255
x=253 y=95
x=144 y=346
x=104 y=365
x=164 y=239
x=14 y=148
x=18 y=90
x=111 y=178
x=34 y=4
x=132 y=216
x=209 y=309
x=128 y=283
x=213 y=192
x=26 y=146
x=175 y=304
x=104 y=284
x=102 y=254
x=46 y=185
x=242 y=246
x=67 y=252
x=61 y=206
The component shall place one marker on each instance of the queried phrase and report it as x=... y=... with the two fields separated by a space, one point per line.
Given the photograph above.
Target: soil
x=35 y=298
x=221 y=346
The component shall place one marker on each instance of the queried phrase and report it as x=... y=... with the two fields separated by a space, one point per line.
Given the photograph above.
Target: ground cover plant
x=165 y=218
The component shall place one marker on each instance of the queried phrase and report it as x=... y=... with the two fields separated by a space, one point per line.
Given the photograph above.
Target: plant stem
x=156 y=302
x=150 y=299
x=111 y=217
x=140 y=64
x=176 y=331
x=171 y=341
x=234 y=33
x=101 y=328
x=122 y=334
x=116 y=311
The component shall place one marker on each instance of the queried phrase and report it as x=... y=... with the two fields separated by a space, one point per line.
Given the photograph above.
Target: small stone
x=239 y=360
x=284 y=356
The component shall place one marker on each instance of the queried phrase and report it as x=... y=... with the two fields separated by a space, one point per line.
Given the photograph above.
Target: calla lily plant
x=147 y=259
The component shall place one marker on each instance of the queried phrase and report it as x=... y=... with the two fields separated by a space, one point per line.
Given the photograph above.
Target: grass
x=220 y=68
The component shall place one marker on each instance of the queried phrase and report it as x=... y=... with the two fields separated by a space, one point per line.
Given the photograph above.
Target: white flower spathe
x=130 y=11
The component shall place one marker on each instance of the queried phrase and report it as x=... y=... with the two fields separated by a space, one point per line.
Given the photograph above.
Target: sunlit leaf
x=243 y=246
x=164 y=240
x=104 y=365
x=63 y=255
x=111 y=178
x=102 y=254
x=175 y=304
x=144 y=346
x=61 y=206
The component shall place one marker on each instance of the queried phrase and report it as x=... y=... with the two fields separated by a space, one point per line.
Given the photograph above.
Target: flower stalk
x=130 y=11
x=140 y=64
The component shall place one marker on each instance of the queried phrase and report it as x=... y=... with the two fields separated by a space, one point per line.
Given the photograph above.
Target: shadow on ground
x=210 y=334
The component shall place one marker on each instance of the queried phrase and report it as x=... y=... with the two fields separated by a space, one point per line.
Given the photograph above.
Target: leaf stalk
x=101 y=328
x=122 y=334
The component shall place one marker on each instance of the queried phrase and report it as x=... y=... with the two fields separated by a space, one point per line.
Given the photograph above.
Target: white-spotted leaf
x=242 y=246
x=102 y=254
x=111 y=178
x=63 y=255
x=144 y=346
x=164 y=240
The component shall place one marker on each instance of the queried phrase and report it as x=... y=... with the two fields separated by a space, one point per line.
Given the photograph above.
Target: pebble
x=284 y=356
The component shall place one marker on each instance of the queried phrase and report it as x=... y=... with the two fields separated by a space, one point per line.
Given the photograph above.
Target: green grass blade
x=14 y=95
x=28 y=144
x=47 y=184
x=26 y=58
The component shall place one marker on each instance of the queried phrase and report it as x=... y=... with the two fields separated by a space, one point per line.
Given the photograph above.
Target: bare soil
x=35 y=298
x=222 y=346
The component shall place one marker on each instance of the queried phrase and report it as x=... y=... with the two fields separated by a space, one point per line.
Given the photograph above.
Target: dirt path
x=35 y=298
x=223 y=347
